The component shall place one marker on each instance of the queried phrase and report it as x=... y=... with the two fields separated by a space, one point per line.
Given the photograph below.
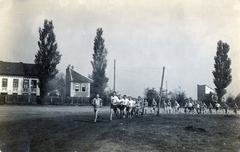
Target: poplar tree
x=47 y=57
x=99 y=65
x=222 y=71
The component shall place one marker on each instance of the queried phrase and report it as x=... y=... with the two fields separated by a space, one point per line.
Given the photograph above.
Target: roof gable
x=76 y=77
x=18 y=69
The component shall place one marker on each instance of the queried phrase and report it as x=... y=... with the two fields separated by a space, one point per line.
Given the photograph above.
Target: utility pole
x=166 y=89
x=159 y=102
x=114 y=77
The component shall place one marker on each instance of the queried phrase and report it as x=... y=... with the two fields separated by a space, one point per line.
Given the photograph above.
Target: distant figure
x=138 y=107
x=185 y=107
x=204 y=106
x=217 y=106
x=154 y=105
x=169 y=106
x=164 y=107
x=97 y=104
x=197 y=107
x=145 y=106
x=226 y=107
x=189 y=106
x=176 y=107
x=235 y=108
x=210 y=108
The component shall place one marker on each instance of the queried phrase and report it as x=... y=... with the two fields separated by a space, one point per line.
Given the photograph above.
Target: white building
x=203 y=91
x=18 y=79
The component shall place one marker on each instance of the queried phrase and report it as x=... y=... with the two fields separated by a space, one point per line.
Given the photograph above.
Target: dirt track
x=57 y=128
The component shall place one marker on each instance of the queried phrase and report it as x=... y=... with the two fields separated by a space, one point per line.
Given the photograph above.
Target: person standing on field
x=97 y=104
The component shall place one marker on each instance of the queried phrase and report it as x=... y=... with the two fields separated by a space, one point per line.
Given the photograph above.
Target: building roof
x=76 y=77
x=18 y=69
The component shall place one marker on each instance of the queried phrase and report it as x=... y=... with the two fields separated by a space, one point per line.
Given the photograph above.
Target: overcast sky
x=142 y=35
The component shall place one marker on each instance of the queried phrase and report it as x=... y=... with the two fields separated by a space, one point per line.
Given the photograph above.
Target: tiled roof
x=76 y=77
x=18 y=69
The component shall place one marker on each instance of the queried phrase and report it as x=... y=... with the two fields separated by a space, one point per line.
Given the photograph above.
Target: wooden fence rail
x=32 y=100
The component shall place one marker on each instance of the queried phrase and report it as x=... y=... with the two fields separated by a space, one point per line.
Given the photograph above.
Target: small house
x=77 y=85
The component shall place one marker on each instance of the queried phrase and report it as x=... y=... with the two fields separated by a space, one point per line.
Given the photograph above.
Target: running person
x=97 y=104
x=176 y=107
x=154 y=105
x=145 y=106
x=235 y=108
x=169 y=106
x=204 y=106
x=114 y=105
x=164 y=107
x=217 y=106
x=123 y=105
x=226 y=107
x=130 y=106
x=210 y=108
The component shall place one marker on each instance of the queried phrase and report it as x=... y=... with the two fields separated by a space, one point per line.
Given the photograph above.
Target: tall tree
x=149 y=94
x=57 y=85
x=99 y=65
x=222 y=73
x=47 y=57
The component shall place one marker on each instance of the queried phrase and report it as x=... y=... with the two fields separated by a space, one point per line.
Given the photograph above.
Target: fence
x=32 y=100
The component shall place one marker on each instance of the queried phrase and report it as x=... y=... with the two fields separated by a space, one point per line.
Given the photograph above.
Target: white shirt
x=114 y=100
x=125 y=101
x=131 y=103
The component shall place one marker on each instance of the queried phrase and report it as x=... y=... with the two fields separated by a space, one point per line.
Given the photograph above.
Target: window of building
x=4 y=82
x=15 y=83
x=34 y=84
x=83 y=88
x=77 y=87
x=25 y=83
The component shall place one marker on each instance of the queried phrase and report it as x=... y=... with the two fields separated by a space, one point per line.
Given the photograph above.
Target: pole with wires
x=160 y=98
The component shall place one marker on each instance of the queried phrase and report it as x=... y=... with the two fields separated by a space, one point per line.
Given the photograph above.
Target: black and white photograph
x=119 y=76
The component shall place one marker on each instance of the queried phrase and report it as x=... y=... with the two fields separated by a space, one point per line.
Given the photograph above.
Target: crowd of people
x=123 y=106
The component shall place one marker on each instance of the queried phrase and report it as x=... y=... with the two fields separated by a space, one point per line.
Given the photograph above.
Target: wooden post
x=160 y=99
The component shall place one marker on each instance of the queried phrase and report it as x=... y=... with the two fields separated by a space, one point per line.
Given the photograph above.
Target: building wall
x=208 y=90
x=80 y=92
x=200 y=92
x=203 y=91
x=20 y=91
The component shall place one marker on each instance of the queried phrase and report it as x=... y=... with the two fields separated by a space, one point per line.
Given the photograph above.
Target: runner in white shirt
x=123 y=105
x=217 y=106
x=176 y=107
x=114 y=105
x=97 y=104
x=130 y=106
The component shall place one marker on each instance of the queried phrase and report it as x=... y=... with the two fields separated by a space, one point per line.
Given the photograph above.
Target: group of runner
x=200 y=107
x=123 y=106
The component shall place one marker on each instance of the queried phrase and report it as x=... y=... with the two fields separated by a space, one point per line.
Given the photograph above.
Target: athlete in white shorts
x=97 y=104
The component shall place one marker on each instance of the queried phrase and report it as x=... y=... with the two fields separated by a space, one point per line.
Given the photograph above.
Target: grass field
x=71 y=128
